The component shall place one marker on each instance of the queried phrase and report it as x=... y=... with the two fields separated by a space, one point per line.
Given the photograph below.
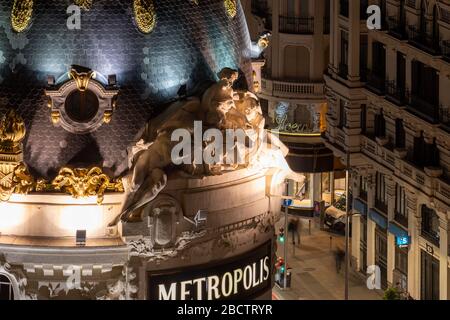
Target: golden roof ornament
x=82 y=76
x=12 y=132
x=80 y=183
x=84 y=4
x=21 y=14
x=230 y=8
x=144 y=15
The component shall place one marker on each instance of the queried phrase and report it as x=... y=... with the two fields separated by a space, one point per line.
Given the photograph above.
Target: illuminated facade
x=388 y=111
x=292 y=91
x=91 y=205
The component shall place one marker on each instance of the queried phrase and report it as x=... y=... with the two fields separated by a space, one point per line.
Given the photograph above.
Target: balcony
x=424 y=41
x=294 y=90
x=296 y=25
x=397 y=28
x=444 y=117
x=395 y=94
x=423 y=108
x=376 y=82
x=445 y=48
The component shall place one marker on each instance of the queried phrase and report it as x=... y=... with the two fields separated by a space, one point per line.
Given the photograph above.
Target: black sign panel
x=241 y=278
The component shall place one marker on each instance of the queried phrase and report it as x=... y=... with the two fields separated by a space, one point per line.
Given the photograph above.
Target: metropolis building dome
x=90 y=204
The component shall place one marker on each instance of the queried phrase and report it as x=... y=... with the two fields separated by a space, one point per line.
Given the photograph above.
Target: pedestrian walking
x=339 y=257
x=293 y=229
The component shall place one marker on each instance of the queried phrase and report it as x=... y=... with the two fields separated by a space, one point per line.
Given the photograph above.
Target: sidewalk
x=314 y=275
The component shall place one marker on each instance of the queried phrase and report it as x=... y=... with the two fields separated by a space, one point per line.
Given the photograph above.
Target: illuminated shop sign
x=284 y=126
x=402 y=241
x=244 y=277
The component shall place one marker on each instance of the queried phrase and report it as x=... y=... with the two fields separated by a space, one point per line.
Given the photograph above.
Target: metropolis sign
x=244 y=277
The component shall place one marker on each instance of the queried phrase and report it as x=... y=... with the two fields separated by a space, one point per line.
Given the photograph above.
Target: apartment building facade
x=388 y=120
x=291 y=89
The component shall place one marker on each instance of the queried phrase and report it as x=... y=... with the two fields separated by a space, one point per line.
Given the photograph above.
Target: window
x=381 y=193
x=430 y=225
x=363 y=187
x=363 y=57
x=432 y=154
x=401 y=215
x=425 y=91
x=363 y=119
x=419 y=151
x=82 y=106
x=401 y=260
x=343 y=66
x=342 y=115
x=380 y=125
x=399 y=134
x=344 y=8
x=6 y=289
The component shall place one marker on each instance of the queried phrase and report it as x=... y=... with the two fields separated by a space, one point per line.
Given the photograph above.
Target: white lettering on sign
x=232 y=282
x=284 y=126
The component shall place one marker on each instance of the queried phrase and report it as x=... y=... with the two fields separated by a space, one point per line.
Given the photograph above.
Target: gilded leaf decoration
x=21 y=14
x=144 y=15
x=84 y=4
x=231 y=8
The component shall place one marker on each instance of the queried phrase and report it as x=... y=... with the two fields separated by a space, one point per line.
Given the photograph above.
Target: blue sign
x=402 y=241
x=288 y=202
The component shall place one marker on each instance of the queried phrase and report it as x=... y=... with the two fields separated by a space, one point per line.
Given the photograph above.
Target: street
x=314 y=275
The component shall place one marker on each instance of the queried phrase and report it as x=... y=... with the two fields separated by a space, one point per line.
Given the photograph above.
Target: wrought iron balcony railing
x=423 y=40
x=397 y=27
x=297 y=25
x=424 y=108
x=376 y=82
x=395 y=93
x=445 y=48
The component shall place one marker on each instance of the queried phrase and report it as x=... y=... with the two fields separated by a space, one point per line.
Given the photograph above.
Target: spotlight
x=81 y=237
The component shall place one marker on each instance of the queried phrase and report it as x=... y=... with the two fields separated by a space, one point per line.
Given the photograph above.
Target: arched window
x=6 y=289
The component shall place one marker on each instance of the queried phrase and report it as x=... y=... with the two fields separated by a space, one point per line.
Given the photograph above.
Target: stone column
x=332 y=186
x=443 y=259
x=356 y=242
x=370 y=224
x=390 y=258
x=414 y=227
